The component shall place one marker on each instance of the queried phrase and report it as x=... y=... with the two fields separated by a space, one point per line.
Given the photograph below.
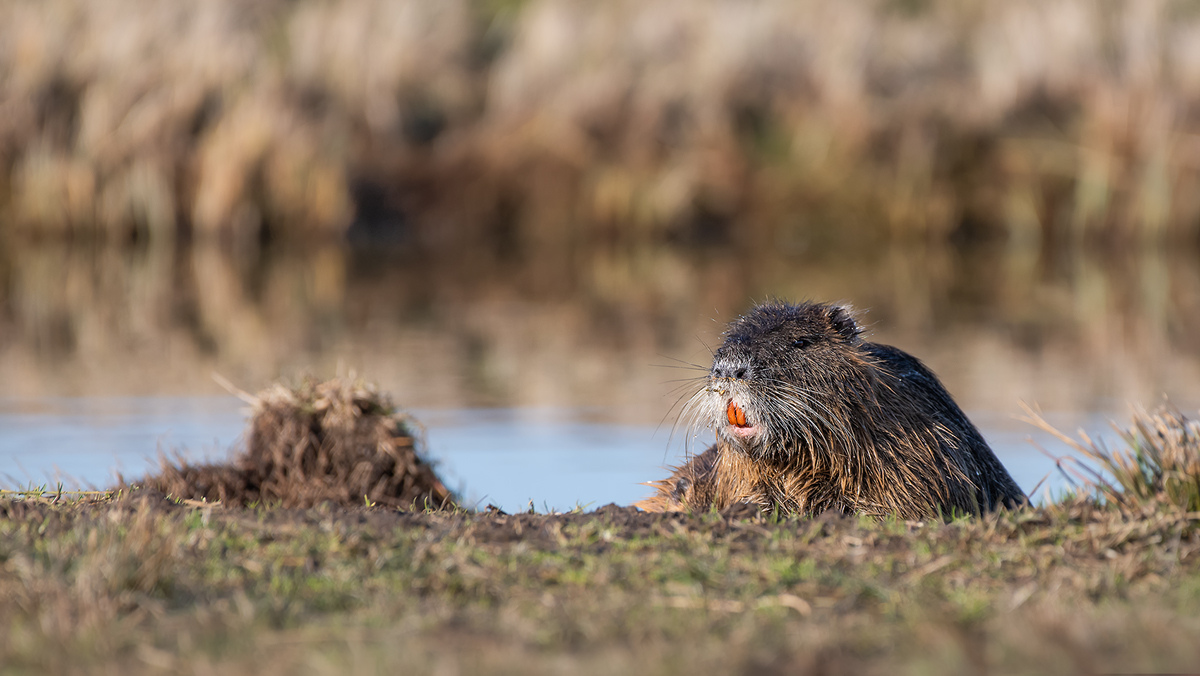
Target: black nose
x=730 y=369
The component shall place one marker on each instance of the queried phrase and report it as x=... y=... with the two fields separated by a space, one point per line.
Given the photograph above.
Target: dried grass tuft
x=335 y=441
x=1158 y=466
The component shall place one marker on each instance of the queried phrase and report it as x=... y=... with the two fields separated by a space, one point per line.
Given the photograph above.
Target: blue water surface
x=550 y=459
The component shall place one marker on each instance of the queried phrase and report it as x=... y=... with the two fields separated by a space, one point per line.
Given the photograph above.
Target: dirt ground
x=144 y=583
x=492 y=526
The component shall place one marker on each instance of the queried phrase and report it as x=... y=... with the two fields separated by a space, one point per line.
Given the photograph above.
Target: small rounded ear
x=841 y=318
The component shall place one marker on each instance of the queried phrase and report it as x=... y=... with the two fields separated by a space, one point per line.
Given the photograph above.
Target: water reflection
x=586 y=326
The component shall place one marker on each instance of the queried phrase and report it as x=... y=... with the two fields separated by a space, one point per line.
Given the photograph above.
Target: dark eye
x=801 y=343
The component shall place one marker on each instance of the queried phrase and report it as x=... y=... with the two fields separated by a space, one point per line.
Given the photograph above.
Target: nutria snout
x=810 y=417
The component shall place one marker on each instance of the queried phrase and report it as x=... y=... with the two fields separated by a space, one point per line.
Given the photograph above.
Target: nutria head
x=787 y=378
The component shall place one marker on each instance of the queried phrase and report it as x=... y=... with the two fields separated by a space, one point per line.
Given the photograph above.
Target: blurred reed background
x=542 y=120
x=478 y=202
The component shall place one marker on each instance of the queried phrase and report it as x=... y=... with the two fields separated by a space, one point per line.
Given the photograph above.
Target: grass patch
x=141 y=583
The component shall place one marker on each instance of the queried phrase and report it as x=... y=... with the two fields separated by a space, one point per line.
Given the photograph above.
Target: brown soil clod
x=336 y=441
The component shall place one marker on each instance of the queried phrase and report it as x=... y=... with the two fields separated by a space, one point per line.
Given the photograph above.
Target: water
x=512 y=458
x=85 y=442
x=546 y=378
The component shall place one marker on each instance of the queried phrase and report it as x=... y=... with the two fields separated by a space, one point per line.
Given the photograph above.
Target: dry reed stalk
x=1158 y=466
x=1071 y=119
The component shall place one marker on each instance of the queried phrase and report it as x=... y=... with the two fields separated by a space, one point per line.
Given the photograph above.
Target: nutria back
x=810 y=417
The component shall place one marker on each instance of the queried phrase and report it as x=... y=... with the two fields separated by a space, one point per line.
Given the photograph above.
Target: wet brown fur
x=690 y=484
x=842 y=424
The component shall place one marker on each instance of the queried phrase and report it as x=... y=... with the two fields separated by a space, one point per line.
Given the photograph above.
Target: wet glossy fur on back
x=810 y=417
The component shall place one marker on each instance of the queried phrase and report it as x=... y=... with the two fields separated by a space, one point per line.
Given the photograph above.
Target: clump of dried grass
x=1158 y=466
x=334 y=441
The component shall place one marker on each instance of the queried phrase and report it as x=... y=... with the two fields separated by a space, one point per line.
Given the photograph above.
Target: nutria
x=810 y=417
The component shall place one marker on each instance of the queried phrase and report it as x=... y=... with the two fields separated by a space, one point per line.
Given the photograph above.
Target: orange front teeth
x=735 y=414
